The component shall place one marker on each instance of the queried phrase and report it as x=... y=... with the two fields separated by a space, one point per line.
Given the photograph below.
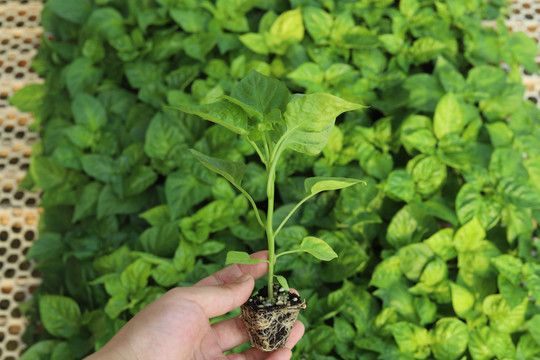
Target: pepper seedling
x=263 y=111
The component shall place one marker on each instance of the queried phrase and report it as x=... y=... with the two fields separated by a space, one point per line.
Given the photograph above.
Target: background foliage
x=437 y=255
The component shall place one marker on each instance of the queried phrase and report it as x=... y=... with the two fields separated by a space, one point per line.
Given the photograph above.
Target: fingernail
x=243 y=278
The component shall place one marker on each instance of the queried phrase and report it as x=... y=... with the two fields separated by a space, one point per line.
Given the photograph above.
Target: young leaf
x=240 y=257
x=287 y=29
x=258 y=94
x=318 y=248
x=232 y=171
x=89 y=112
x=316 y=185
x=282 y=281
x=462 y=299
x=223 y=113
x=448 y=116
x=60 y=315
x=310 y=119
x=449 y=338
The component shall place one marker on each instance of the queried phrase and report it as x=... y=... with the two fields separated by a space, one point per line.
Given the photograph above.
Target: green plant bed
x=437 y=255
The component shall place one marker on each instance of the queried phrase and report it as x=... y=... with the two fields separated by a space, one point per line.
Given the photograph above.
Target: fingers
x=234 y=271
x=220 y=299
x=281 y=354
x=230 y=333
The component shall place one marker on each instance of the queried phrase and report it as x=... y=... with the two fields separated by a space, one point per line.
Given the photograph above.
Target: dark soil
x=283 y=298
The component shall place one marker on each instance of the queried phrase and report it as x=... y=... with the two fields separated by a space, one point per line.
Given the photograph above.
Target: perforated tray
x=18 y=227
x=19 y=40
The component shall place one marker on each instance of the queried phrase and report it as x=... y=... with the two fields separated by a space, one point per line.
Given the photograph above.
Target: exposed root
x=270 y=328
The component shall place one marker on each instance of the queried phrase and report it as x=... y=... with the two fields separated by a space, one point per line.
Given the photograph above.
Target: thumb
x=220 y=299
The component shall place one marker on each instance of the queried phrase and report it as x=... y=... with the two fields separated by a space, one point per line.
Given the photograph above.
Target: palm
x=176 y=325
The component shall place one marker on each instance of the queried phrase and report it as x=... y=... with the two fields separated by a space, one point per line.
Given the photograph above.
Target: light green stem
x=252 y=202
x=261 y=156
x=291 y=213
x=270 y=190
x=270 y=231
x=288 y=252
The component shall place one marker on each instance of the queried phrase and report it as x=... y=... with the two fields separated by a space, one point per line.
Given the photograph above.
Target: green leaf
x=450 y=339
x=387 y=273
x=30 y=98
x=425 y=49
x=509 y=266
x=310 y=119
x=41 y=350
x=469 y=237
x=81 y=76
x=110 y=204
x=239 y=257
x=404 y=226
x=424 y=92
x=159 y=215
x=115 y=262
x=462 y=300
x=76 y=11
x=448 y=117
x=534 y=327
x=400 y=185
x=486 y=81
x=318 y=248
x=413 y=258
x=315 y=185
x=500 y=134
x=286 y=30
x=518 y=192
x=62 y=351
x=426 y=310
x=166 y=275
x=471 y=203
x=86 y=201
x=318 y=23
x=199 y=45
x=258 y=95
x=99 y=167
x=232 y=171
x=323 y=338
x=88 y=111
x=135 y=276
x=47 y=246
x=501 y=317
x=160 y=240
x=139 y=180
x=512 y=294
x=500 y=343
x=162 y=135
x=255 y=42
x=434 y=273
x=116 y=305
x=80 y=136
x=282 y=281
x=527 y=348
x=60 y=315
x=411 y=339
x=442 y=244
x=191 y=20
x=183 y=191
x=223 y=113
x=47 y=172
x=429 y=174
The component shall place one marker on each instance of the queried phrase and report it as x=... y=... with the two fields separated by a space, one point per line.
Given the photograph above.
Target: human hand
x=176 y=326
